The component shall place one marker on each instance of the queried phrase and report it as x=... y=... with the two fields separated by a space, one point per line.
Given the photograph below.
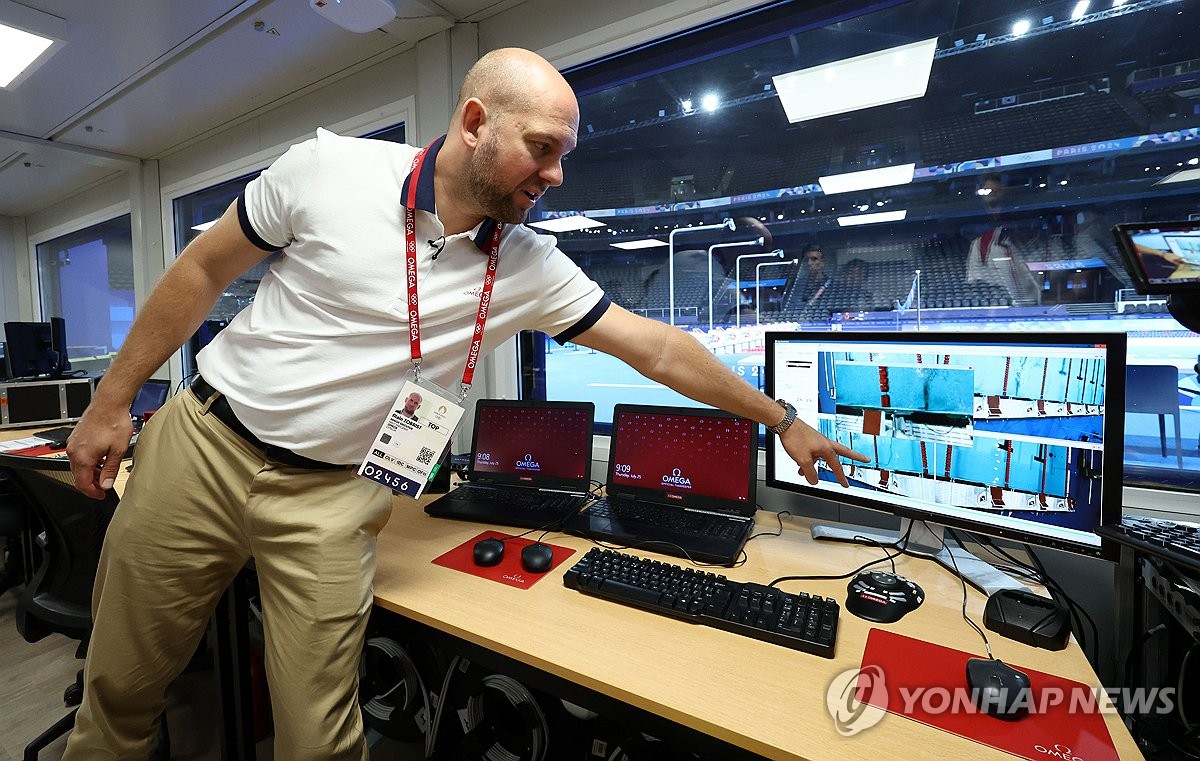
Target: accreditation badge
x=408 y=448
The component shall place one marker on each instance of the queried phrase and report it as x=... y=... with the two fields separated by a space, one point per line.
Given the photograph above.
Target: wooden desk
x=757 y=696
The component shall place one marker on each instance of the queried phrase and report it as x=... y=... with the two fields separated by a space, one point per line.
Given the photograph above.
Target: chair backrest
x=1152 y=389
x=59 y=597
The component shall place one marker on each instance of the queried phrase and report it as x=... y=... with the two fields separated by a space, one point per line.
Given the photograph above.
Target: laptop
x=150 y=399
x=530 y=464
x=681 y=481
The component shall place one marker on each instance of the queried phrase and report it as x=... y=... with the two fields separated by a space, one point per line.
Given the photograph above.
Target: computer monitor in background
x=58 y=340
x=31 y=350
x=1163 y=258
x=150 y=398
x=1015 y=435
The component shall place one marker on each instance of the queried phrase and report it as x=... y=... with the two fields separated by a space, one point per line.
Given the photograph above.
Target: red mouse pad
x=928 y=683
x=508 y=570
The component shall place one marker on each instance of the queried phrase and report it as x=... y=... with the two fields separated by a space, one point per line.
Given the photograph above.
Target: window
x=1024 y=151
x=86 y=277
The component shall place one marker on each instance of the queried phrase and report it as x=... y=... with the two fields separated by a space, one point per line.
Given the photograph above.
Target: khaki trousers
x=199 y=503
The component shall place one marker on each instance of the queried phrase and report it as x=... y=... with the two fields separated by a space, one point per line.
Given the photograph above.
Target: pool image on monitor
x=1003 y=434
x=972 y=431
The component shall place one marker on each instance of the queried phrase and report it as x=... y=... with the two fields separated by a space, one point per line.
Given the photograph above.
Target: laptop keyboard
x=517 y=499
x=672 y=518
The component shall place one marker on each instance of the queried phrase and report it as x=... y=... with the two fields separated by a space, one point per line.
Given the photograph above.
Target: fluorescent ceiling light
x=203 y=226
x=1184 y=175
x=566 y=224
x=633 y=244
x=18 y=49
x=870 y=219
x=887 y=76
x=884 y=177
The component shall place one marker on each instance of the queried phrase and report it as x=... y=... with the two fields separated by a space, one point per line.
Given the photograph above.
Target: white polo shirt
x=316 y=361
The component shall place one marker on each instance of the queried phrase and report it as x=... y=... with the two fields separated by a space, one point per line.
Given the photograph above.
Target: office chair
x=1154 y=390
x=58 y=599
x=14 y=562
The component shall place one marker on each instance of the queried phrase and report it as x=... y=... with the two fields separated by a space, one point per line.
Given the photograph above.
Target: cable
x=1187 y=657
x=520 y=699
x=779 y=516
x=1054 y=586
x=901 y=544
x=962 y=580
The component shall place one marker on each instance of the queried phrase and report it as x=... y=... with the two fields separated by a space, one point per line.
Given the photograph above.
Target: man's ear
x=474 y=122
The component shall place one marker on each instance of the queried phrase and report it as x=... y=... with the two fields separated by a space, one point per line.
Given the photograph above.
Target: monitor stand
x=928 y=541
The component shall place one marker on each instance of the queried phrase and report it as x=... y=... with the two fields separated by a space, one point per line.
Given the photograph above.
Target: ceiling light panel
x=886 y=76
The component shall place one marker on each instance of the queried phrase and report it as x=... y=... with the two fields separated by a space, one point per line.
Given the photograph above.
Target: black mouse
x=536 y=557
x=882 y=597
x=488 y=551
x=998 y=689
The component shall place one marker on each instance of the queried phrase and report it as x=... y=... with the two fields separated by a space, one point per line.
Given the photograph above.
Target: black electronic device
x=998 y=689
x=1016 y=435
x=681 y=480
x=488 y=552
x=529 y=466
x=1164 y=258
x=1175 y=541
x=536 y=557
x=798 y=621
x=1030 y=618
x=882 y=597
x=31 y=350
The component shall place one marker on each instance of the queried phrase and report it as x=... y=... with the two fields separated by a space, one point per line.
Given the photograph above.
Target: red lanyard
x=410 y=261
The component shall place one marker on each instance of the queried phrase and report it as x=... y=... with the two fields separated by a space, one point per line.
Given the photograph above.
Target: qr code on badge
x=426 y=456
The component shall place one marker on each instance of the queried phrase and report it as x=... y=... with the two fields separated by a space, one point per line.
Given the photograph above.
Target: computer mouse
x=998 y=689
x=882 y=597
x=536 y=557
x=488 y=551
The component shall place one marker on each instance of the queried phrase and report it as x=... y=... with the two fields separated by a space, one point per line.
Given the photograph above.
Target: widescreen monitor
x=1015 y=435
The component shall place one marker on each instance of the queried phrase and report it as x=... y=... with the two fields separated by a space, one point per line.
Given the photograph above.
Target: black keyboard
x=55 y=435
x=799 y=621
x=524 y=500
x=673 y=518
x=1177 y=542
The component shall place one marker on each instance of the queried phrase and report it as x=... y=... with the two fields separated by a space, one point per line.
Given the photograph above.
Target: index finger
x=846 y=451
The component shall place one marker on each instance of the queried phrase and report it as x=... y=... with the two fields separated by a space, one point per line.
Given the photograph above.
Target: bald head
x=512 y=81
x=515 y=120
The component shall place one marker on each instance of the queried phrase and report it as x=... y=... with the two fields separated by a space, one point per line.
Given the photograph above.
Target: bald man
x=257 y=458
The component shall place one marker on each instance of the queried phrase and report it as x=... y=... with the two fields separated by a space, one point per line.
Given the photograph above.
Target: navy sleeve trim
x=585 y=322
x=247 y=229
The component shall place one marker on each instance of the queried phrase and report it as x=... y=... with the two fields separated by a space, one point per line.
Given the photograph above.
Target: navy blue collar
x=423 y=195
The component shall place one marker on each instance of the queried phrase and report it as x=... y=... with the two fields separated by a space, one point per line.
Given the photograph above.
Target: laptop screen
x=150 y=398
x=696 y=457
x=533 y=443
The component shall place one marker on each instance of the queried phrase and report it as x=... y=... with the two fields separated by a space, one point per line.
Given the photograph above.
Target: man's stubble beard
x=481 y=186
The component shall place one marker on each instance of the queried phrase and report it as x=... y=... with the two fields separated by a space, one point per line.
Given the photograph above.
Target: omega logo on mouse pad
x=506 y=562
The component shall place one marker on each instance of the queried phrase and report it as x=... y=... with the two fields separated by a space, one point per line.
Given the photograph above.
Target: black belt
x=223 y=412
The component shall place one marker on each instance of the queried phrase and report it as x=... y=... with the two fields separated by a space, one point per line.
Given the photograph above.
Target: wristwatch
x=789 y=417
